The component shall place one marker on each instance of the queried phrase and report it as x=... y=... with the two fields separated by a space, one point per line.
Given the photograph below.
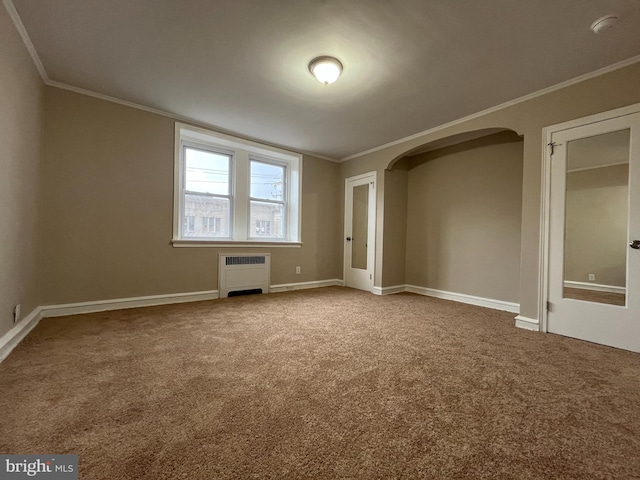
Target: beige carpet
x=326 y=383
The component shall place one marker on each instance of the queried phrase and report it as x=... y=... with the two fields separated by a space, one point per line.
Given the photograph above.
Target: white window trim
x=242 y=151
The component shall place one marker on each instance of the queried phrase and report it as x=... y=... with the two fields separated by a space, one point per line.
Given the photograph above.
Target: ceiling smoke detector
x=604 y=23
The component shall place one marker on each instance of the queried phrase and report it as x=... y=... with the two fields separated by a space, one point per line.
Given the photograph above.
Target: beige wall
x=395 y=232
x=596 y=225
x=599 y=94
x=106 y=191
x=108 y=209
x=21 y=116
x=464 y=218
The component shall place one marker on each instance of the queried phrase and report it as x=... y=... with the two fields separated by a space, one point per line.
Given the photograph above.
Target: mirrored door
x=594 y=267
x=359 y=246
x=596 y=218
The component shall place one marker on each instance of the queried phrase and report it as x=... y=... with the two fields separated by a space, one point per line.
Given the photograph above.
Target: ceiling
x=241 y=66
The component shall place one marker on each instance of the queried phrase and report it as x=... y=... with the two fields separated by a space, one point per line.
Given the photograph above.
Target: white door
x=360 y=231
x=594 y=232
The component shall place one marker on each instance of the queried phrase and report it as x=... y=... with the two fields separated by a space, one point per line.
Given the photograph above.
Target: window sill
x=231 y=243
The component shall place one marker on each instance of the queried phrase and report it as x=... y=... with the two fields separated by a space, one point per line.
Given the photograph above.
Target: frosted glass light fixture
x=604 y=23
x=325 y=69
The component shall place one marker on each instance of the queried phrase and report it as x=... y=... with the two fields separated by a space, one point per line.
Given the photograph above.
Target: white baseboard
x=596 y=287
x=121 y=303
x=464 y=298
x=456 y=297
x=13 y=337
x=528 y=323
x=389 y=290
x=286 y=287
x=152 y=300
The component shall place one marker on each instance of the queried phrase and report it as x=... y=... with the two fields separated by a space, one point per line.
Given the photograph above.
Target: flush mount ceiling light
x=325 y=69
x=604 y=23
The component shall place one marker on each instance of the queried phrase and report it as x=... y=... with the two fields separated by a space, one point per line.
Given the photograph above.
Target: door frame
x=372 y=210
x=545 y=213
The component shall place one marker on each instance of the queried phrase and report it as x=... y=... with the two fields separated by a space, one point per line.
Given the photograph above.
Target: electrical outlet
x=16 y=313
x=592 y=277
x=297 y=270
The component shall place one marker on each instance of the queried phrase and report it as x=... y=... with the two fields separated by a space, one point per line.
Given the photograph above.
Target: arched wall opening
x=453 y=214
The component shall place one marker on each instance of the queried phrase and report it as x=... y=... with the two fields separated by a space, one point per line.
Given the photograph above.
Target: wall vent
x=245 y=260
x=241 y=274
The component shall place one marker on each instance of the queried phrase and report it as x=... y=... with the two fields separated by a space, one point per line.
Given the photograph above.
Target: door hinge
x=549 y=305
x=552 y=147
x=373 y=185
x=370 y=277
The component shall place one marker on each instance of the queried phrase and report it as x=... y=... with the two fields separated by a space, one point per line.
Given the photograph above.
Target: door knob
x=635 y=244
x=349 y=239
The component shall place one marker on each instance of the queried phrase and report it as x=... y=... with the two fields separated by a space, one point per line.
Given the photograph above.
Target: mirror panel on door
x=360 y=225
x=596 y=218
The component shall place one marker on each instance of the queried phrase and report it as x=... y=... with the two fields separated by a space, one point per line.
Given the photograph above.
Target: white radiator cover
x=238 y=272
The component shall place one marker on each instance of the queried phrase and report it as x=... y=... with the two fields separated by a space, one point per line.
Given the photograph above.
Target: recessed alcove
x=453 y=213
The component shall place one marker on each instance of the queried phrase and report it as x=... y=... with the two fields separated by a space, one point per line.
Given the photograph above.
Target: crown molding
x=45 y=78
x=180 y=118
x=510 y=103
x=17 y=21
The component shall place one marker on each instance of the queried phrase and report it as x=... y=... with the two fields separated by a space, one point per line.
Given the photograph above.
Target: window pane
x=205 y=216
x=266 y=220
x=267 y=181
x=207 y=172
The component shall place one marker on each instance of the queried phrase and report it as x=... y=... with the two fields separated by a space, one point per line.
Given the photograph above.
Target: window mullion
x=241 y=195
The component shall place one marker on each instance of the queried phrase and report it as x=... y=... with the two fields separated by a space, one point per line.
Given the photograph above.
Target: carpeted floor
x=593 y=296
x=326 y=383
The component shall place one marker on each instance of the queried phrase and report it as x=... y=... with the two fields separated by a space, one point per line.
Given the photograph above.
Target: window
x=207 y=191
x=263 y=227
x=189 y=223
x=228 y=191
x=267 y=195
x=211 y=224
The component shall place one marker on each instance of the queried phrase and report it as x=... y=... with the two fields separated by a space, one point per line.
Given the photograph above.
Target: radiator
x=240 y=274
